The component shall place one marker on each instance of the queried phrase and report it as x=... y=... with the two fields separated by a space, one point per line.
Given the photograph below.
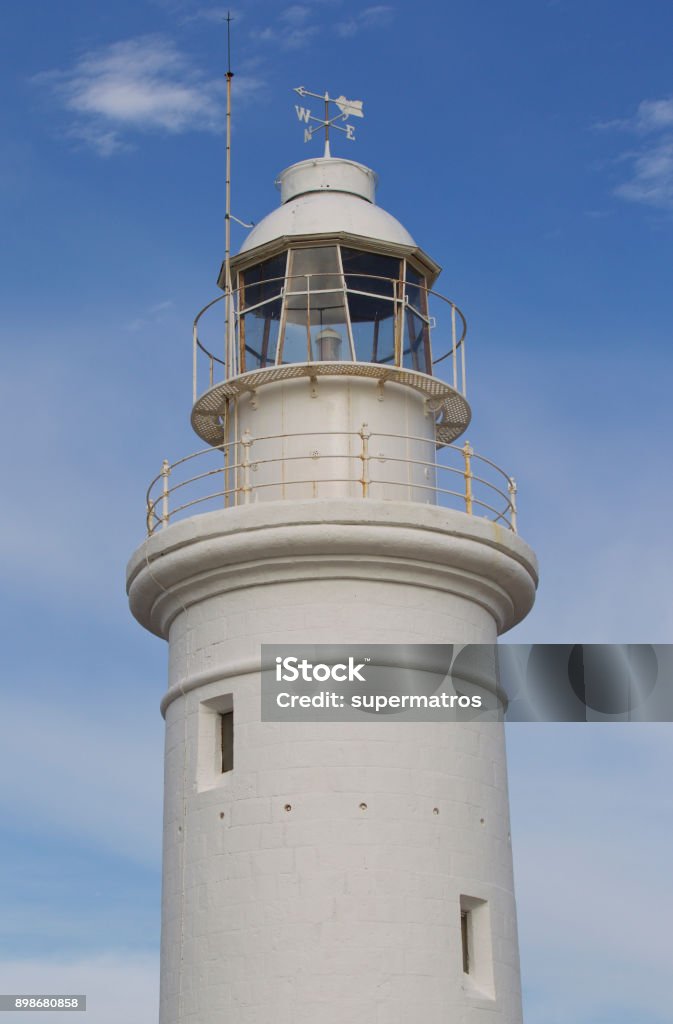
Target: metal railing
x=244 y=473
x=435 y=311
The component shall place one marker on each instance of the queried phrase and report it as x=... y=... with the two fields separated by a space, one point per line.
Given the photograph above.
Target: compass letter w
x=303 y=113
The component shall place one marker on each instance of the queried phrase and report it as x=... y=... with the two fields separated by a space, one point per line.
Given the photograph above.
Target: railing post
x=468 y=452
x=309 y=353
x=246 y=441
x=165 y=473
x=194 y=363
x=511 y=487
x=463 y=372
x=454 y=358
x=211 y=373
x=225 y=472
x=365 y=434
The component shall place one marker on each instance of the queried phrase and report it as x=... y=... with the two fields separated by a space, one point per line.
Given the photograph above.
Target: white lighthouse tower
x=332 y=872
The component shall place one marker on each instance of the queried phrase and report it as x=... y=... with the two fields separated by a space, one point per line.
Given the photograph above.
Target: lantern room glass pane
x=416 y=290
x=371 y=284
x=316 y=323
x=416 y=331
x=260 y=287
x=259 y=335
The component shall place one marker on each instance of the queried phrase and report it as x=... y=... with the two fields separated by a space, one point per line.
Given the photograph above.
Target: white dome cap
x=328 y=196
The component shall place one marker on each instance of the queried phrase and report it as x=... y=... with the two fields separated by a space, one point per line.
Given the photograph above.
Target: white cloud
x=293 y=28
x=651 y=161
x=653 y=115
x=216 y=15
x=651 y=181
x=288 y=32
x=118 y=988
x=153 y=315
x=370 y=17
x=142 y=84
x=296 y=14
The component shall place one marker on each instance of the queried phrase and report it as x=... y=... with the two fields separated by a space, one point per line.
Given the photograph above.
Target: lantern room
x=330 y=276
x=329 y=284
x=334 y=302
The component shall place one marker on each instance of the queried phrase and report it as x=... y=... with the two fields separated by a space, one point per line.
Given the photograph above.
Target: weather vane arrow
x=345 y=109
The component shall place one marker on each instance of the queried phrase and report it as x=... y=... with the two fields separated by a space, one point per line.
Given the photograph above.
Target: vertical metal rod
x=237 y=456
x=165 y=473
x=349 y=326
x=468 y=452
x=227 y=451
x=194 y=361
x=246 y=441
x=228 y=347
x=327 y=149
x=210 y=372
x=365 y=434
x=399 y=303
x=285 y=287
x=462 y=367
x=511 y=487
x=308 y=318
x=453 y=342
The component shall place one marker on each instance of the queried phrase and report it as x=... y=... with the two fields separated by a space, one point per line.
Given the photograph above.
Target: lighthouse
x=332 y=872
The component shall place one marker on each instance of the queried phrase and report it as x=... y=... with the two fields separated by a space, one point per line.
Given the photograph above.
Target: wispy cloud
x=296 y=14
x=142 y=84
x=295 y=26
x=214 y=15
x=292 y=29
x=153 y=315
x=370 y=17
x=650 y=159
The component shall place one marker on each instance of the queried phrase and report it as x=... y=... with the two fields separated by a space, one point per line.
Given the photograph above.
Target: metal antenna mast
x=229 y=354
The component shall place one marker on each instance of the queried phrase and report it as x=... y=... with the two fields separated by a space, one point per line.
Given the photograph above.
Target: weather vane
x=346 y=108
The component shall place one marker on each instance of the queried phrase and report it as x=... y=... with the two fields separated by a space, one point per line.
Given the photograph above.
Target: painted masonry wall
x=321 y=879
x=327 y=414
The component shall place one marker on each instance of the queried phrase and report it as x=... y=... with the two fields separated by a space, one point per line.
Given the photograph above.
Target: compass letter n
x=303 y=113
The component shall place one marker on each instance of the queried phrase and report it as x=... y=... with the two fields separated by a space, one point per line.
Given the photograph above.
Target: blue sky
x=528 y=147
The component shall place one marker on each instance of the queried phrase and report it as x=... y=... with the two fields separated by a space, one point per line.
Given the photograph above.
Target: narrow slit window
x=477 y=947
x=465 y=936
x=227 y=740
